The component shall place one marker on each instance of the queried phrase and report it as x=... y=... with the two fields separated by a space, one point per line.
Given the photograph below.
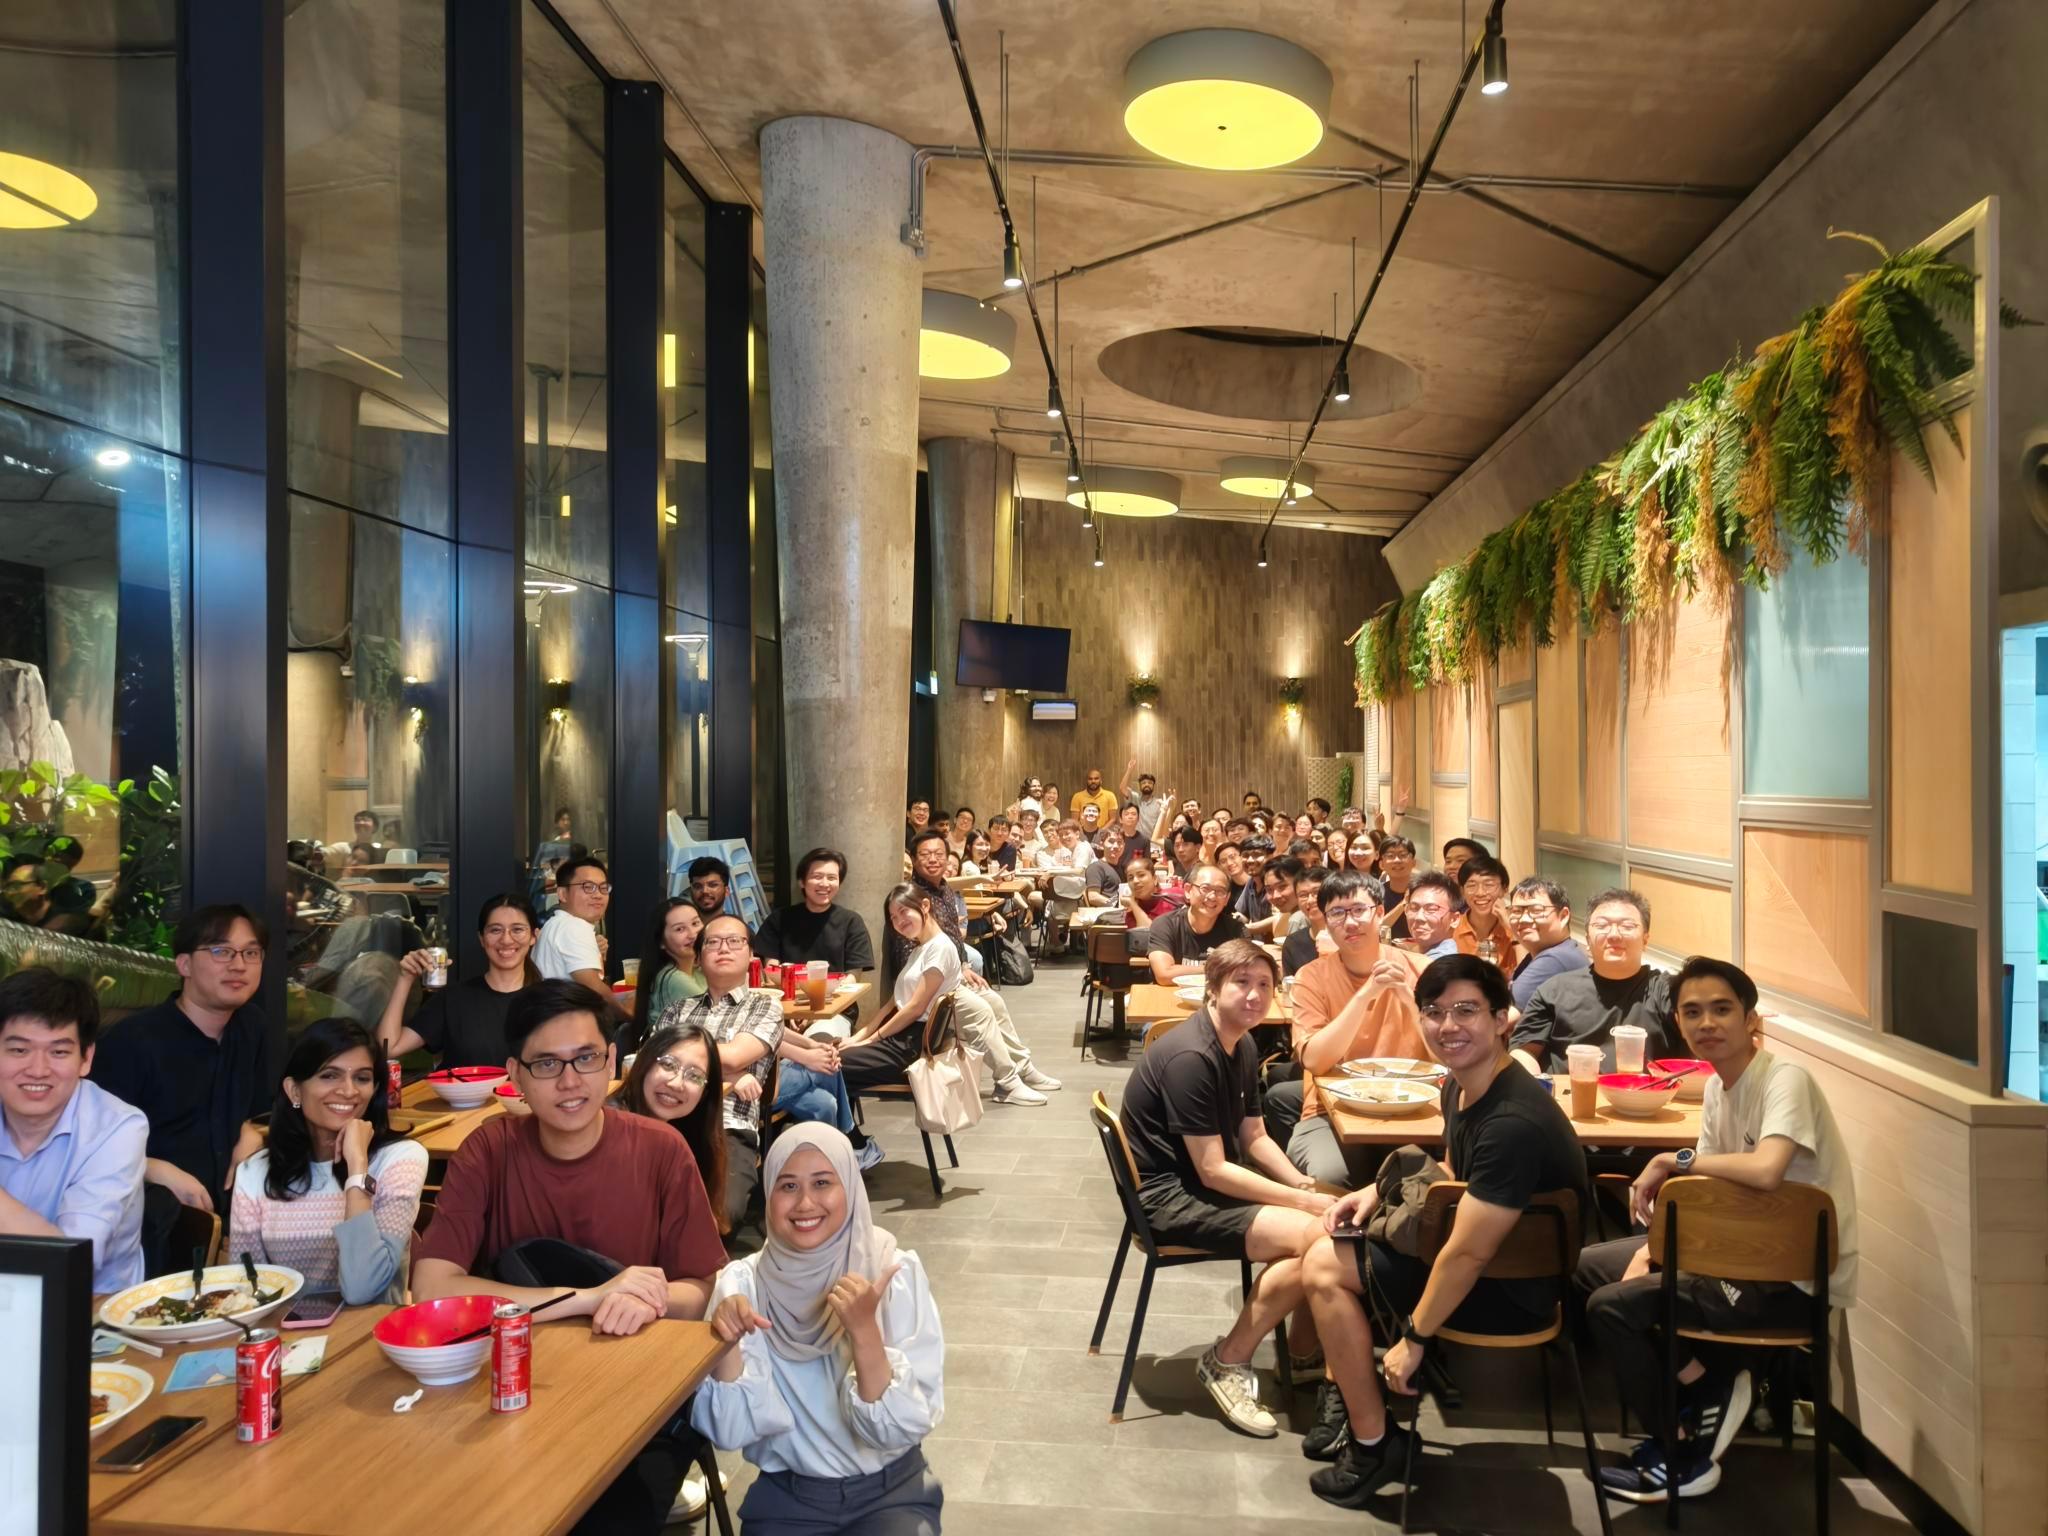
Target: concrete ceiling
x=1487 y=308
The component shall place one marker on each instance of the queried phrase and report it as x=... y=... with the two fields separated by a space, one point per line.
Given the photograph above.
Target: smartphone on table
x=313 y=1309
x=146 y=1444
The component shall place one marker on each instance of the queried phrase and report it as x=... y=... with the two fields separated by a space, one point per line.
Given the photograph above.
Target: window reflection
x=569 y=714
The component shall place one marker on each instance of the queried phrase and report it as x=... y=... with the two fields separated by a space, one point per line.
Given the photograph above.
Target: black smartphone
x=1354 y=1232
x=132 y=1454
x=313 y=1309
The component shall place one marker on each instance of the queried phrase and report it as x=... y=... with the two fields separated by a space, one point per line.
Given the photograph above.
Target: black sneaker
x=1361 y=1471
x=1645 y=1480
x=1333 y=1421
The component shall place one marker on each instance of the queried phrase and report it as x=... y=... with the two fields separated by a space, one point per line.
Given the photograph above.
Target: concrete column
x=970 y=483
x=843 y=308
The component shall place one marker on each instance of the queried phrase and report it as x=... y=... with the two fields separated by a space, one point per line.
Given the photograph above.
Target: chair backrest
x=1108 y=945
x=192 y=1229
x=1542 y=1245
x=1123 y=1168
x=1737 y=1233
x=1159 y=1027
x=938 y=1026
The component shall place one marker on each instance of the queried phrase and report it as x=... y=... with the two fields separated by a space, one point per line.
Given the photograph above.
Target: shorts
x=1395 y=1282
x=1187 y=1218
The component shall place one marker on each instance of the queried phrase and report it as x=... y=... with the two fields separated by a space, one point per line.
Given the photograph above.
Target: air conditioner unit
x=1053 y=709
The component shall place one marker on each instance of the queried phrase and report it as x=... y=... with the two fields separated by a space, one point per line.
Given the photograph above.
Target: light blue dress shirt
x=86 y=1180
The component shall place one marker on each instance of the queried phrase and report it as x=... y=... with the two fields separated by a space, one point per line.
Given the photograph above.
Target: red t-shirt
x=636 y=1198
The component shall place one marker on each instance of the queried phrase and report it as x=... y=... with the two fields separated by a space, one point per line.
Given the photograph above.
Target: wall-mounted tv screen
x=1032 y=657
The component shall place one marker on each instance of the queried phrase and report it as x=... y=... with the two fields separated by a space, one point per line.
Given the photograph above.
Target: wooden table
x=797 y=1010
x=1676 y=1125
x=216 y=1405
x=443 y=1140
x=449 y=1464
x=1149 y=1003
x=391 y=888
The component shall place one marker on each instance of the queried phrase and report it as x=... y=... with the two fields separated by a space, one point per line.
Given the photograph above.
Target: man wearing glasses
x=1540 y=917
x=198 y=1065
x=569 y=947
x=1358 y=1002
x=577 y=1196
x=1178 y=943
x=1585 y=1007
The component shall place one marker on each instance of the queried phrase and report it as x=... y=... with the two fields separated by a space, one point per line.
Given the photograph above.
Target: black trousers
x=1623 y=1316
x=885 y=1061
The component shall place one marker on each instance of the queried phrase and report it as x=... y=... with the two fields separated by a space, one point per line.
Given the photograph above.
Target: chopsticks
x=477 y=1333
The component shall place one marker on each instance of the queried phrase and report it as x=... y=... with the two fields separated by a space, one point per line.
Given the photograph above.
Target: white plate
x=1400 y=1067
x=125 y=1389
x=119 y=1311
x=1383 y=1097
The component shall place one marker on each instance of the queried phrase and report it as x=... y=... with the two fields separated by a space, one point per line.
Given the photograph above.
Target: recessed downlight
x=962 y=338
x=1123 y=492
x=1225 y=99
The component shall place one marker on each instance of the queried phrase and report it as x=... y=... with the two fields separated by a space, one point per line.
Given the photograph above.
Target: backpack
x=1013 y=961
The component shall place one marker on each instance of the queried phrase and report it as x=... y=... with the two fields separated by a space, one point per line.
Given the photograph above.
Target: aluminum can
x=437 y=968
x=754 y=972
x=259 y=1387
x=394 y=1083
x=789 y=980
x=511 y=1357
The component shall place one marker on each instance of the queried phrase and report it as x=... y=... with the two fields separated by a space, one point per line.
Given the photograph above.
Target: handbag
x=1013 y=961
x=945 y=1086
x=1403 y=1180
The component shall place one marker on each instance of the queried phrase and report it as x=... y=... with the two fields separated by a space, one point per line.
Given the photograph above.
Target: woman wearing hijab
x=834 y=1375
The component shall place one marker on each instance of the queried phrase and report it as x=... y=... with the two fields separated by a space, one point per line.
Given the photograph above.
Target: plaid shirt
x=740 y=1012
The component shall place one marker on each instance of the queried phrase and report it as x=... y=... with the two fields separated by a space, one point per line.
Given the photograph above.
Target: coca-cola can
x=437 y=967
x=394 y=1083
x=511 y=1357
x=789 y=980
x=754 y=972
x=259 y=1387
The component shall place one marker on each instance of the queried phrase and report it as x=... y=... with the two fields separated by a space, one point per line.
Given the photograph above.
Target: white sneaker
x=1044 y=1082
x=693 y=1496
x=866 y=1157
x=1014 y=1090
x=1236 y=1390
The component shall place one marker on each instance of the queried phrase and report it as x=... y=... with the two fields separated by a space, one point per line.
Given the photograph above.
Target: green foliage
x=1292 y=691
x=38 y=806
x=1347 y=776
x=1787 y=448
x=1143 y=689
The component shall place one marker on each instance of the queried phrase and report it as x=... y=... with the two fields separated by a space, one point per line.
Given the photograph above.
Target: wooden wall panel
x=1401 y=735
x=1450 y=735
x=1557 y=732
x=1931 y=756
x=1182 y=598
x=1603 y=734
x=1806 y=915
x=1485 y=770
x=1447 y=820
x=1678 y=771
x=1517 y=664
x=1425 y=751
x=1687 y=917
x=1518 y=787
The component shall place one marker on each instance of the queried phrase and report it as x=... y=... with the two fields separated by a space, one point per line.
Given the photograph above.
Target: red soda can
x=754 y=972
x=511 y=1357
x=259 y=1387
x=789 y=980
x=394 y=1076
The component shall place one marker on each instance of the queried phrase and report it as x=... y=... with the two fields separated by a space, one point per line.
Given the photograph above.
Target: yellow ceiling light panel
x=35 y=194
x=963 y=338
x=1266 y=478
x=1117 y=491
x=1225 y=99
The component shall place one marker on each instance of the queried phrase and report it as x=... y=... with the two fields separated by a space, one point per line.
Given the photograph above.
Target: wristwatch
x=367 y=1183
x=1683 y=1157
x=1420 y=1341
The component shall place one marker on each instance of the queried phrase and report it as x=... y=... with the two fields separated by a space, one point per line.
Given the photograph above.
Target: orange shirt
x=1505 y=955
x=1104 y=801
x=1391 y=1027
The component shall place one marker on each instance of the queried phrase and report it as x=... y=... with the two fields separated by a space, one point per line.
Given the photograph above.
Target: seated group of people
x=1246 y=1167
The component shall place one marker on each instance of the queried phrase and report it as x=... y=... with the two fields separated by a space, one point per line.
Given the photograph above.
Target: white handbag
x=945 y=1085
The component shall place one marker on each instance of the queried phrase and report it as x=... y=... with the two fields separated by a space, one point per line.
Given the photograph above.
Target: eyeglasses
x=592 y=888
x=724 y=941
x=1205 y=888
x=1482 y=885
x=1626 y=927
x=585 y=1062
x=1350 y=916
x=507 y=931
x=694 y=1076
x=223 y=953
x=1531 y=914
x=1464 y=1013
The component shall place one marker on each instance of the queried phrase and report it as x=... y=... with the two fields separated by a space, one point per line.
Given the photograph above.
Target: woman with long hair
x=676 y=1078
x=334 y=1191
x=464 y=1025
x=1212 y=839
x=1365 y=853
x=977 y=860
x=668 y=968
x=883 y=1047
x=834 y=1370
x=1336 y=848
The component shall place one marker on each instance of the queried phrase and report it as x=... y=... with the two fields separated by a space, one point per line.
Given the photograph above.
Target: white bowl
x=124 y=1387
x=1383 y=1098
x=118 y=1311
x=473 y=1094
x=440 y=1366
x=437 y=1365
x=1405 y=1068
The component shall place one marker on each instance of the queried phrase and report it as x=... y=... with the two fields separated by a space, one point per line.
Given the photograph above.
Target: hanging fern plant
x=1787 y=450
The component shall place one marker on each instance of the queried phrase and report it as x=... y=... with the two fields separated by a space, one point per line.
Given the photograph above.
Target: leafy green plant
x=34 y=802
x=38 y=806
x=1347 y=777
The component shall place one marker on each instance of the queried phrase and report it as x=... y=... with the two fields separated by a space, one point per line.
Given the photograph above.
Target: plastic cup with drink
x=1629 y=1043
x=817 y=981
x=1584 y=1063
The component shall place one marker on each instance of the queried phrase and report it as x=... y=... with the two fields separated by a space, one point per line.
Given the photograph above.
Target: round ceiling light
x=1124 y=492
x=35 y=194
x=963 y=338
x=1226 y=100
x=1266 y=478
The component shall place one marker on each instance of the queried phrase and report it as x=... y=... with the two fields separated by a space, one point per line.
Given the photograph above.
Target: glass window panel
x=93 y=622
x=687 y=664
x=685 y=496
x=568 y=479
x=1582 y=878
x=366 y=243
x=369 y=749
x=1930 y=983
x=89 y=218
x=1806 y=682
x=569 y=705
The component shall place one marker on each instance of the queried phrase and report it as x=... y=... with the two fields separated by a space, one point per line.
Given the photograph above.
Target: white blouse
x=806 y=1416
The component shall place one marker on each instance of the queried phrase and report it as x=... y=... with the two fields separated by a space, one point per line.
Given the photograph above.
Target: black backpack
x=1013 y=961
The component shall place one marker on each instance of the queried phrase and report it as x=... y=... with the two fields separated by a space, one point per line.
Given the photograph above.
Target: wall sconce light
x=1292 y=691
x=556 y=696
x=1143 y=690
x=565 y=503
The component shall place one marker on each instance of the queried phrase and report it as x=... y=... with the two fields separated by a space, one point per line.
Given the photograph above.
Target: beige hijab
x=793 y=1281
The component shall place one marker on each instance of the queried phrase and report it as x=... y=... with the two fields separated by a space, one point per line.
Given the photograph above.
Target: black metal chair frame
x=1098 y=983
x=938 y=1033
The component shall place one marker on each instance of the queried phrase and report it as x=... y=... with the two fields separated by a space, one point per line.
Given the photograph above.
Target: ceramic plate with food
x=1383 y=1096
x=117 y=1391
x=165 y=1308
x=1402 y=1068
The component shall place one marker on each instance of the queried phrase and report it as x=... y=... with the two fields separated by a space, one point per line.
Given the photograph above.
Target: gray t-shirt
x=1538 y=968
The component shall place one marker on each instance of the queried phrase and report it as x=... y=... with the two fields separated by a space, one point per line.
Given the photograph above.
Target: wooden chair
x=1543 y=1245
x=1109 y=977
x=1123 y=1172
x=194 y=1229
x=1708 y=1226
x=938 y=1036
x=1159 y=1027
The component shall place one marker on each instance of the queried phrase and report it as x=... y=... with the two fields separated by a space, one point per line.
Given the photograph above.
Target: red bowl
x=466 y=1075
x=1678 y=1066
x=508 y=1091
x=429 y=1324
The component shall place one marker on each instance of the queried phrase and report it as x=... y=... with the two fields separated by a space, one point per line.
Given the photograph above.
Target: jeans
x=814 y=1096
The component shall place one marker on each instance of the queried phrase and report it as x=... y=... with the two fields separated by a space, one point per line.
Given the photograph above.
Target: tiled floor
x=1019 y=1250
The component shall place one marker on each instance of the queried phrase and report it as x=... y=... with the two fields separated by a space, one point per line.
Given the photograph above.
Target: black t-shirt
x=836 y=936
x=1006 y=856
x=195 y=1091
x=1583 y=1007
x=1174 y=934
x=464 y=1025
x=1510 y=1145
x=1395 y=899
x=1296 y=950
x=1251 y=903
x=1188 y=1085
x=1134 y=845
